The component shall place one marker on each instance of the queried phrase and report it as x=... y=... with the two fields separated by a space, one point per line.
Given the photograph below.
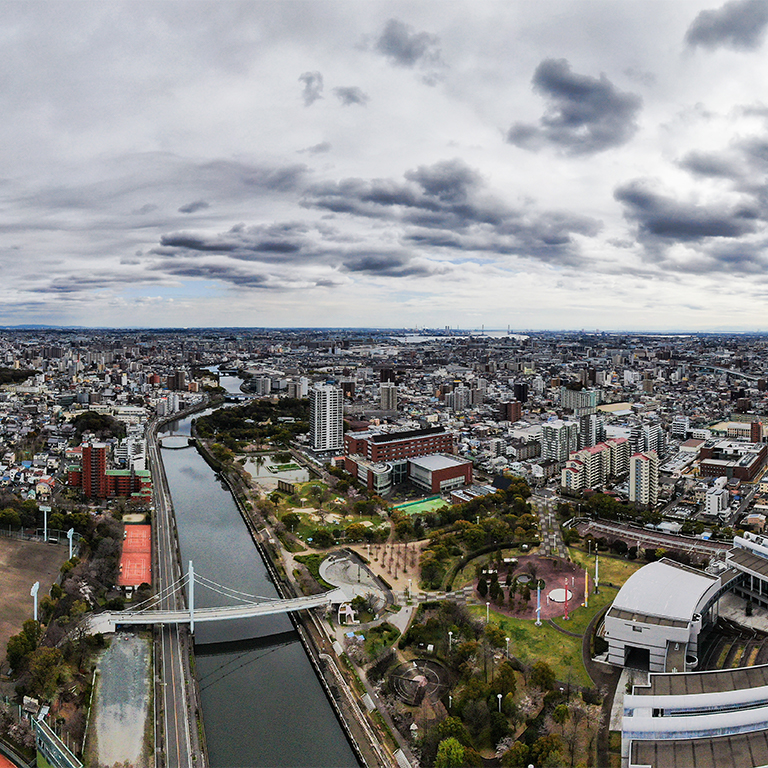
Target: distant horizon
x=384 y=329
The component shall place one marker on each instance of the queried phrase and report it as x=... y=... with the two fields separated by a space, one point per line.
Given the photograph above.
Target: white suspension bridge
x=155 y=610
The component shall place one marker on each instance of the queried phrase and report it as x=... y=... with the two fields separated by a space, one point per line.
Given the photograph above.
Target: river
x=262 y=702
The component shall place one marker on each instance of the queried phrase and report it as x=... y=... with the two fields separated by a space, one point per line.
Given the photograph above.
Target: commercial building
x=383 y=459
x=731 y=458
x=439 y=473
x=657 y=616
x=94 y=477
x=594 y=467
x=386 y=446
x=581 y=402
x=99 y=482
x=704 y=719
x=326 y=418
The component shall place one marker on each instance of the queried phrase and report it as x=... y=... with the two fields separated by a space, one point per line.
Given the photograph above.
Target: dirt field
x=121 y=705
x=22 y=563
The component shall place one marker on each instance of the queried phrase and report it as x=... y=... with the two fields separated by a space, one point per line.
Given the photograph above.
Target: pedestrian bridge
x=156 y=610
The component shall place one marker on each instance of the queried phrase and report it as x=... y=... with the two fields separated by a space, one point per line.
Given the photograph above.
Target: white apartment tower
x=326 y=418
x=644 y=478
x=559 y=439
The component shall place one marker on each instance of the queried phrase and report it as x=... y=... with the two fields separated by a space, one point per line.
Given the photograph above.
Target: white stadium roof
x=665 y=589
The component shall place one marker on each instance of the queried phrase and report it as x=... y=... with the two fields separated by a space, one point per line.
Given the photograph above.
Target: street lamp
x=506 y=639
x=498 y=696
x=33 y=593
x=450 y=640
x=487 y=612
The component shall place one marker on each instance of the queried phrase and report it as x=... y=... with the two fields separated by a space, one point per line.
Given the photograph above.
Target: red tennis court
x=136 y=560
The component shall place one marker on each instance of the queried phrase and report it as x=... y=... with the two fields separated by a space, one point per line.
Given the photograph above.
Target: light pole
x=70 y=533
x=450 y=640
x=33 y=593
x=487 y=613
x=498 y=696
x=506 y=640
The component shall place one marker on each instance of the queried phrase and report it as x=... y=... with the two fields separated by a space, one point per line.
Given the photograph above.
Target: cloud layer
x=537 y=165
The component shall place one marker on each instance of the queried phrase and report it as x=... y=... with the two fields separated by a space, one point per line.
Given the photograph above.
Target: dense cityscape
x=461 y=477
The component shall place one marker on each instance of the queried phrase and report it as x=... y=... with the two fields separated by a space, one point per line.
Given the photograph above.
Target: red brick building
x=391 y=446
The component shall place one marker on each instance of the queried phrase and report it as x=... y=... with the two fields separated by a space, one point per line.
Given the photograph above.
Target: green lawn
x=579 y=617
x=562 y=652
x=530 y=643
x=613 y=570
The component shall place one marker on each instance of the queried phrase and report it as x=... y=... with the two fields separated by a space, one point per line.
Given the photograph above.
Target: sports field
x=22 y=563
x=429 y=504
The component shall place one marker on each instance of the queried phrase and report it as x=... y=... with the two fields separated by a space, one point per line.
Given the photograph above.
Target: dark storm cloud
x=739 y=25
x=351 y=95
x=712 y=164
x=197 y=205
x=392 y=265
x=448 y=180
x=228 y=273
x=259 y=243
x=446 y=206
x=662 y=218
x=405 y=47
x=316 y=149
x=194 y=243
x=313 y=87
x=584 y=115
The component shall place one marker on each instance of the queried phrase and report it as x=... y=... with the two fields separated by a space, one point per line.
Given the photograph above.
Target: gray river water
x=262 y=702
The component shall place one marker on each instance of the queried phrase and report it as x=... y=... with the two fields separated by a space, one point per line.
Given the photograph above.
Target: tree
x=21 y=646
x=452 y=727
x=322 y=538
x=450 y=754
x=475 y=715
x=291 y=521
x=541 y=676
x=355 y=532
x=45 y=667
x=560 y=715
x=516 y=756
x=545 y=748
x=10 y=517
x=505 y=681
x=482 y=586
x=499 y=727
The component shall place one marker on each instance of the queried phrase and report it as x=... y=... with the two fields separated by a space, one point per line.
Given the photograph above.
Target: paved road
x=551 y=540
x=177 y=741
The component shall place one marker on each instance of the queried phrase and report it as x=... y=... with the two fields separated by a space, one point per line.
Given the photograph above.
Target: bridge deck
x=106 y=622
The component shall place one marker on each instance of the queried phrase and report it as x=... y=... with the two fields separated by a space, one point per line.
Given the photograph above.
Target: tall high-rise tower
x=644 y=478
x=388 y=393
x=326 y=418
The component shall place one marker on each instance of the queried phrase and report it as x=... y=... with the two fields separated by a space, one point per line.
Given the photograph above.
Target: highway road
x=176 y=741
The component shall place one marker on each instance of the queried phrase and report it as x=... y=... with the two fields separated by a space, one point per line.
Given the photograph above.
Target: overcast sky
x=539 y=165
